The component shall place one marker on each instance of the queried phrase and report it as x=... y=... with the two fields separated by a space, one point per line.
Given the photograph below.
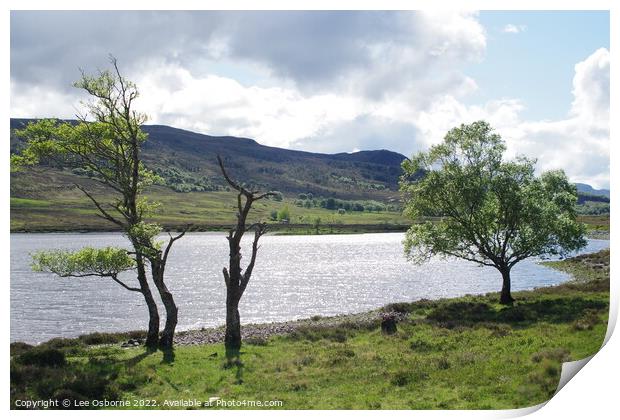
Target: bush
x=19 y=347
x=422 y=346
x=284 y=213
x=461 y=312
x=557 y=355
x=400 y=307
x=110 y=338
x=405 y=377
x=43 y=356
x=587 y=321
x=256 y=341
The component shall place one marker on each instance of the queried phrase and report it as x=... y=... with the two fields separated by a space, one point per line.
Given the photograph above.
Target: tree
x=235 y=278
x=284 y=214
x=108 y=149
x=489 y=211
x=87 y=262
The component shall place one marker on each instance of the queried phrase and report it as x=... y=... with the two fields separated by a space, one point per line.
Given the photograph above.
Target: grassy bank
x=465 y=353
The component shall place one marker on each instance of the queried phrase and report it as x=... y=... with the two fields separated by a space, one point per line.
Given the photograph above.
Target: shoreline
x=259 y=333
x=264 y=330
x=276 y=228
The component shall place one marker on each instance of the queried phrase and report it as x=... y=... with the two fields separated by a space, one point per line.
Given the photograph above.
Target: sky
x=339 y=81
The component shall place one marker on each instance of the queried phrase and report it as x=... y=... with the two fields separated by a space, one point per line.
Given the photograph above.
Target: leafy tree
x=87 y=262
x=108 y=149
x=284 y=213
x=235 y=278
x=490 y=211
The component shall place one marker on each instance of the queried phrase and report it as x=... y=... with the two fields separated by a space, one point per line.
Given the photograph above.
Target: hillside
x=313 y=185
x=186 y=161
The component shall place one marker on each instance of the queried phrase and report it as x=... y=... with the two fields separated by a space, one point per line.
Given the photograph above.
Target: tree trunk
x=166 y=340
x=506 y=297
x=232 y=339
x=152 y=336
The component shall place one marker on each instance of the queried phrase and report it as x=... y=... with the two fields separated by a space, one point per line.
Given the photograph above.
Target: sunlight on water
x=295 y=277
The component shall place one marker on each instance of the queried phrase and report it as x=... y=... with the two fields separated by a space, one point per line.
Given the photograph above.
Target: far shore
x=276 y=229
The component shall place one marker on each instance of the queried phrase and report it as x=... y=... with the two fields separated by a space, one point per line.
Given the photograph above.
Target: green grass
x=32 y=210
x=463 y=353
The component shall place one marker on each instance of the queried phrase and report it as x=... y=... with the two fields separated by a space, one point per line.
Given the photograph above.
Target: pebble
x=264 y=331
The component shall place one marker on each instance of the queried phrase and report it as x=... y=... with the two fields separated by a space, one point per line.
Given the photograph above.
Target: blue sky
x=537 y=64
x=339 y=81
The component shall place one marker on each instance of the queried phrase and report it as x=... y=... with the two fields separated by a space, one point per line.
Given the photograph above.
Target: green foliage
x=87 y=261
x=276 y=196
x=489 y=211
x=284 y=213
x=42 y=356
x=183 y=181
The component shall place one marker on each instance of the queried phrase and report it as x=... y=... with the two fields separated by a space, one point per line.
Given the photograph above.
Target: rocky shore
x=260 y=333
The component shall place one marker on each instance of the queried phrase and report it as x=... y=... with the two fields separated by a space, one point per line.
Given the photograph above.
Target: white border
x=593 y=393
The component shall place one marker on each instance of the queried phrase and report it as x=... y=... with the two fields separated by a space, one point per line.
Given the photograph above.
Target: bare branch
x=259 y=230
x=229 y=180
x=104 y=213
x=171 y=241
x=132 y=289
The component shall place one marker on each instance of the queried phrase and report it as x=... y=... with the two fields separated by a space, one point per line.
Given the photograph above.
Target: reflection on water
x=294 y=277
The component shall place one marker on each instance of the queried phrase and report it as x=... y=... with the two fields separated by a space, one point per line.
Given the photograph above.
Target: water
x=295 y=277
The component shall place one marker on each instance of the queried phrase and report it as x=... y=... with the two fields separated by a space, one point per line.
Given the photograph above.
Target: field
x=464 y=353
x=44 y=207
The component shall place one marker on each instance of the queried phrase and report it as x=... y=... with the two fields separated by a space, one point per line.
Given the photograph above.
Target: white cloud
x=514 y=29
x=578 y=144
x=327 y=82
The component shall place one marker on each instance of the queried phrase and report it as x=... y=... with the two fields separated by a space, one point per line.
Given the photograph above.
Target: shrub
x=405 y=377
x=19 y=347
x=43 y=356
x=443 y=363
x=461 y=312
x=400 y=307
x=422 y=346
x=557 y=355
x=284 y=213
x=587 y=321
x=256 y=341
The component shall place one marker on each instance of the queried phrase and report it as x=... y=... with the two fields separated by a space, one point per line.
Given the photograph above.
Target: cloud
x=578 y=144
x=318 y=81
x=368 y=52
x=514 y=29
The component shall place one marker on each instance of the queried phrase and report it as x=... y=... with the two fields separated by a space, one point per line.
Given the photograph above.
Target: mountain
x=588 y=189
x=187 y=162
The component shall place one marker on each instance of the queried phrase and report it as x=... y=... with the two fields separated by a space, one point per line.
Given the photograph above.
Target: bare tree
x=235 y=278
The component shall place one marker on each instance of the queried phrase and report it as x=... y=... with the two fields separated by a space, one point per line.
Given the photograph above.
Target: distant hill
x=187 y=162
x=588 y=189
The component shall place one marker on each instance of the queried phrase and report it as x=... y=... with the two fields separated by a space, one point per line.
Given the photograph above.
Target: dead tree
x=235 y=278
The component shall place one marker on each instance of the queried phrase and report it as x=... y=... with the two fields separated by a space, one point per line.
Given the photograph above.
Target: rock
x=388 y=324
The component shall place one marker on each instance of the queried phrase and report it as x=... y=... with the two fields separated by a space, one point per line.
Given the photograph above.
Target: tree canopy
x=86 y=262
x=106 y=142
x=485 y=209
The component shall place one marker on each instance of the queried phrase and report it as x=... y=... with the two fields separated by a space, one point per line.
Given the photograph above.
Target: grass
x=32 y=210
x=462 y=353
x=71 y=211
